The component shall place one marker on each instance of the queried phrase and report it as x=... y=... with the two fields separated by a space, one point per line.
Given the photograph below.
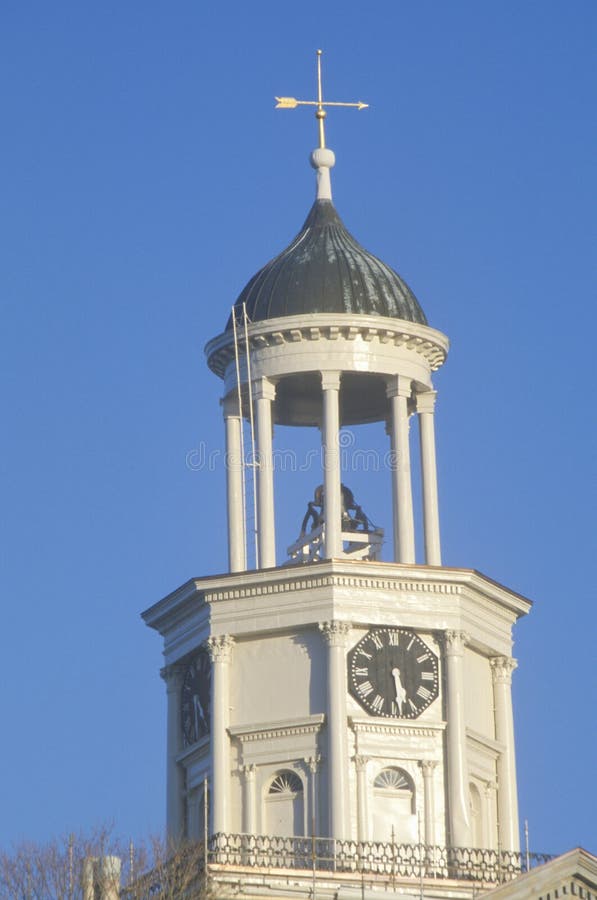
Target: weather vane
x=320 y=113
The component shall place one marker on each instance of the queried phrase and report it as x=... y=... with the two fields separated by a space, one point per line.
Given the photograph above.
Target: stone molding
x=401 y=729
x=267 y=731
x=426 y=341
x=335 y=633
x=485 y=743
x=502 y=668
x=220 y=648
x=308 y=584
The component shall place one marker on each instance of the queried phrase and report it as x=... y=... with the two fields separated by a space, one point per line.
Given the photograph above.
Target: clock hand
x=198 y=711
x=400 y=692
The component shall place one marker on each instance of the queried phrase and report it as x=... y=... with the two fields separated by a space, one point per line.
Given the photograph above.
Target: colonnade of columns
x=401 y=397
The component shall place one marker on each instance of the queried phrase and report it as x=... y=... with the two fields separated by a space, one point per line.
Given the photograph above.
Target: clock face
x=195 y=698
x=393 y=673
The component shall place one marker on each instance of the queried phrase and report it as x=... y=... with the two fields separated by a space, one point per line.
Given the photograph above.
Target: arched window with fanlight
x=284 y=805
x=394 y=807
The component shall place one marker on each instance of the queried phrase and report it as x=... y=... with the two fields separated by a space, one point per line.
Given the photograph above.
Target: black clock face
x=393 y=673
x=195 y=698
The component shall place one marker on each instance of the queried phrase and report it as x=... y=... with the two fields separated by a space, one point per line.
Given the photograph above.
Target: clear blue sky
x=145 y=177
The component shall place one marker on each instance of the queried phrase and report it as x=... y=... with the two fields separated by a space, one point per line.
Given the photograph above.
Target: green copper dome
x=325 y=270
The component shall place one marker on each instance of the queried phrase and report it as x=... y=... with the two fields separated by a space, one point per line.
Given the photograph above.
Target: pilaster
x=507 y=798
x=336 y=635
x=458 y=790
x=175 y=786
x=220 y=650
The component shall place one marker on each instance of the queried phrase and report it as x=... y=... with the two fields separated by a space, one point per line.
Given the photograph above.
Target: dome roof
x=325 y=270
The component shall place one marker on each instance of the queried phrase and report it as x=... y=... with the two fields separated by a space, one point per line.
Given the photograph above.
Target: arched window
x=284 y=806
x=394 y=807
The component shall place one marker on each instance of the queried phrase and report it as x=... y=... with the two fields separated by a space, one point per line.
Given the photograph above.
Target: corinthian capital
x=219 y=647
x=173 y=676
x=335 y=633
x=455 y=642
x=502 y=668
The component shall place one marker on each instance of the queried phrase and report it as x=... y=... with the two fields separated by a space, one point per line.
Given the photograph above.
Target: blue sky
x=145 y=177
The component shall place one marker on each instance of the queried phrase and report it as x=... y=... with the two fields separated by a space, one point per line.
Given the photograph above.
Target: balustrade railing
x=370 y=858
x=390 y=861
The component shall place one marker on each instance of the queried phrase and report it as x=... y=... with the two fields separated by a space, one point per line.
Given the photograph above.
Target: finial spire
x=322 y=159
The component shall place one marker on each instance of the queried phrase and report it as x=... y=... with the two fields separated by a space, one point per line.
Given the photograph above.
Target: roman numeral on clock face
x=423 y=692
x=378 y=703
x=361 y=671
x=365 y=688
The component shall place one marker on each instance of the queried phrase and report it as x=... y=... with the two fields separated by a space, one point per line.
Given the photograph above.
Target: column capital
x=173 y=676
x=502 y=668
x=263 y=389
x=427 y=767
x=335 y=633
x=455 y=642
x=398 y=386
x=490 y=787
x=249 y=771
x=312 y=762
x=330 y=381
x=230 y=406
x=360 y=762
x=220 y=647
x=425 y=401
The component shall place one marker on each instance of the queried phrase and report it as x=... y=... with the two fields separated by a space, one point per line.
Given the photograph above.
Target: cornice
x=321 y=327
x=285 y=728
x=199 y=595
x=400 y=729
x=342 y=581
x=485 y=742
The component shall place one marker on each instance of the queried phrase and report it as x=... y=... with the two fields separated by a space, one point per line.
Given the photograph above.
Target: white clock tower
x=340 y=722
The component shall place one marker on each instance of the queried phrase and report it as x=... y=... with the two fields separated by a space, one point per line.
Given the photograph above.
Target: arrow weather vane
x=320 y=113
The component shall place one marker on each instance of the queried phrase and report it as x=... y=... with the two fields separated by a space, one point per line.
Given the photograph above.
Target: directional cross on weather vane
x=320 y=113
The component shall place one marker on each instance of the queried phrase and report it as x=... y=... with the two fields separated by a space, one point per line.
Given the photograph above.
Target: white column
x=425 y=408
x=507 y=799
x=398 y=391
x=237 y=561
x=249 y=800
x=336 y=634
x=175 y=786
x=362 y=799
x=330 y=383
x=220 y=652
x=264 y=393
x=458 y=789
x=428 y=767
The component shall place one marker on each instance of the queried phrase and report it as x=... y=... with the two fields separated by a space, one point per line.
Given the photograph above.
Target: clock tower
x=332 y=710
